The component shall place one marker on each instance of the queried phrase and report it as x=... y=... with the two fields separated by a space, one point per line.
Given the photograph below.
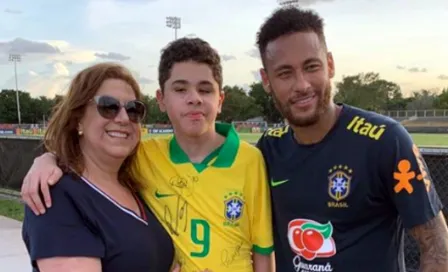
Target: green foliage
x=32 y=110
x=368 y=91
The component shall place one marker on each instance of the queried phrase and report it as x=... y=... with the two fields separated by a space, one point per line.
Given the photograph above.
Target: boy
x=207 y=187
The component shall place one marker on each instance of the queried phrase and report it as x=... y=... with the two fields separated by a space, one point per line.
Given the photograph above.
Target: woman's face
x=108 y=129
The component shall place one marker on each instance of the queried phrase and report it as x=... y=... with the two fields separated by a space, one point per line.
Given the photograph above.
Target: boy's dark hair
x=189 y=49
x=286 y=21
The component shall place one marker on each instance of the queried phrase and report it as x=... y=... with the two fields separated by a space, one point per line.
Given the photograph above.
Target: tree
x=238 y=106
x=422 y=100
x=265 y=102
x=441 y=101
x=153 y=114
x=369 y=91
x=8 y=107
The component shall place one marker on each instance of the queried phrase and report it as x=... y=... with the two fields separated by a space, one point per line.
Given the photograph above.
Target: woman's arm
x=69 y=264
x=63 y=239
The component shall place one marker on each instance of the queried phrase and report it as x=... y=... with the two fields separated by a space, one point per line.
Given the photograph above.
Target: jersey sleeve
x=408 y=179
x=259 y=209
x=62 y=231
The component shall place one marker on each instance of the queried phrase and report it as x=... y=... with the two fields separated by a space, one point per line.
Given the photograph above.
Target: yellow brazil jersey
x=216 y=211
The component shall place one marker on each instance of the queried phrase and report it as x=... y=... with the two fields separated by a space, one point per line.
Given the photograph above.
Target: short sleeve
x=408 y=179
x=259 y=208
x=62 y=231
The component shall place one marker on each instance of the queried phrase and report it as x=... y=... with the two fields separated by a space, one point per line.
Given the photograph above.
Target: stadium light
x=173 y=22
x=289 y=3
x=16 y=58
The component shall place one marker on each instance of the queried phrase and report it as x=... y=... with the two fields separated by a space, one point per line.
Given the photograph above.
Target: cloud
x=254 y=53
x=22 y=46
x=256 y=75
x=412 y=69
x=12 y=11
x=443 y=77
x=133 y=1
x=246 y=87
x=145 y=80
x=417 y=70
x=141 y=79
x=228 y=57
x=112 y=56
x=55 y=79
x=304 y=3
x=191 y=35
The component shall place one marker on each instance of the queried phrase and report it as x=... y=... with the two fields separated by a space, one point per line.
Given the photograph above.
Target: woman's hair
x=61 y=136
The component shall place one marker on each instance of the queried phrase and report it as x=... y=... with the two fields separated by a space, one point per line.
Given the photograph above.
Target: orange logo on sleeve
x=404 y=177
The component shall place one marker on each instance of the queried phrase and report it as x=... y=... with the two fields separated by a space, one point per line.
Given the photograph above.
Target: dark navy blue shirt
x=342 y=205
x=83 y=221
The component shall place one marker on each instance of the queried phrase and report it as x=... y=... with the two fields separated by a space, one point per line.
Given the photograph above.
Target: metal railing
x=405 y=114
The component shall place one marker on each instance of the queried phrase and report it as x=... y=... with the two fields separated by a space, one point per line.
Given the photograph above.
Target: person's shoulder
x=275 y=135
x=153 y=142
x=278 y=138
x=69 y=182
x=369 y=124
x=153 y=146
x=371 y=117
x=66 y=193
x=249 y=150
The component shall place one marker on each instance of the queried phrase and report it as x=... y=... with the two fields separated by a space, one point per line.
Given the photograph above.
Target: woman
x=99 y=222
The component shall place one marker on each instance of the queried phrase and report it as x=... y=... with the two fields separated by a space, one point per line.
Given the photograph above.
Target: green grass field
x=12 y=209
x=422 y=140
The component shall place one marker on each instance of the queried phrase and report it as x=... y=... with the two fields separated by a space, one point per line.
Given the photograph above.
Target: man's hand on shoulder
x=43 y=173
x=432 y=238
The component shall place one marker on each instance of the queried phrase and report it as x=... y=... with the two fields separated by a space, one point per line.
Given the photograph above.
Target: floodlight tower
x=16 y=58
x=173 y=22
x=288 y=3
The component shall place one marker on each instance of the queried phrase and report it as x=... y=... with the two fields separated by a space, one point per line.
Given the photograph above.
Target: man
x=207 y=187
x=344 y=182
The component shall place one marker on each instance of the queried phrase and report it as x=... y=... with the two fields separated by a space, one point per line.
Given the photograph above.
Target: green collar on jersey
x=225 y=154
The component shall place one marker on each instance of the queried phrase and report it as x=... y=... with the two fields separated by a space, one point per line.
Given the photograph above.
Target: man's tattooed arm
x=432 y=238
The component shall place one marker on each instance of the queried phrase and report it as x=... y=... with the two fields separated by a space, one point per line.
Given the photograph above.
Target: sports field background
x=420 y=139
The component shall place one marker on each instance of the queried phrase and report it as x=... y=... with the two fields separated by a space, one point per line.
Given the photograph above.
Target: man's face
x=192 y=98
x=298 y=76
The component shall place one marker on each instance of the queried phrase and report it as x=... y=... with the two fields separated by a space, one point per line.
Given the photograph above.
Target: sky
x=405 y=41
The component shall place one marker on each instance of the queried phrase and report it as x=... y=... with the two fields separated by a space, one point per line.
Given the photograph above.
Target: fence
x=437 y=161
x=404 y=114
x=17 y=155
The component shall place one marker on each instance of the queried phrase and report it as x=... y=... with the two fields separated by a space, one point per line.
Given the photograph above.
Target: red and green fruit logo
x=311 y=239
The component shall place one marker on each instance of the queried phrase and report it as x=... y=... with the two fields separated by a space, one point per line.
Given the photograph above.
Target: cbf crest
x=339 y=181
x=233 y=208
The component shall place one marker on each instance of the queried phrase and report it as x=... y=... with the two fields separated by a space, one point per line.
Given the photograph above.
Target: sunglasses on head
x=109 y=107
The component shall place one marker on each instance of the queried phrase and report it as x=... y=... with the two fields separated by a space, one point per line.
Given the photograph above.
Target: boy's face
x=191 y=98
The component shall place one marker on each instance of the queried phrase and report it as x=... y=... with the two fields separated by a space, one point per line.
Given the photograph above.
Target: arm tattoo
x=432 y=238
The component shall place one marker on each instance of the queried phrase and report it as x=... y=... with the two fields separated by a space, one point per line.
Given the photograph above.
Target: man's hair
x=61 y=136
x=285 y=21
x=189 y=49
